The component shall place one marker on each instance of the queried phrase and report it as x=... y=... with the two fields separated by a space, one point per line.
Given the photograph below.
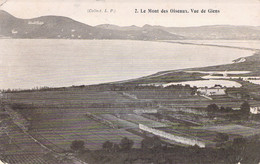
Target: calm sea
x=55 y=63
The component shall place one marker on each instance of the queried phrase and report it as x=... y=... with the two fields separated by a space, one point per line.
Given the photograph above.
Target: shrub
x=77 y=145
x=126 y=144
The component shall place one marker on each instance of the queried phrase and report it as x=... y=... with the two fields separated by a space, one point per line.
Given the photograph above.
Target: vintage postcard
x=129 y=82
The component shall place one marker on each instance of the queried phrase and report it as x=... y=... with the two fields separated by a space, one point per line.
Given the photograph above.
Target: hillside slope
x=213 y=32
x=66 y=28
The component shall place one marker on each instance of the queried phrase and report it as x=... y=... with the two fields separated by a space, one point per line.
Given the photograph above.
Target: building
x=35 y=22
x=255 y=110
x=216 y=90
x=14 y=31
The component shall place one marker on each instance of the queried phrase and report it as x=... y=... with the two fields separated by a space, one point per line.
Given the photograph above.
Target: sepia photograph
x=129 y=82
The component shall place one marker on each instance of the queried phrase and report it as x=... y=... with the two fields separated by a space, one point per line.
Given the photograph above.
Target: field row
x=93 y=139
x=67 y=97
x=61 y=131
x=234 y=130
x=141 y=120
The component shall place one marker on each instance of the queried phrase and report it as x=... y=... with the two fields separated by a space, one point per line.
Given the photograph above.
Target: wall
x=179 y=139
x=141 y=111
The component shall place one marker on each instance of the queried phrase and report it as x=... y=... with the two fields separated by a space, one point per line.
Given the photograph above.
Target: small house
x=255 y=110
x=216 y=90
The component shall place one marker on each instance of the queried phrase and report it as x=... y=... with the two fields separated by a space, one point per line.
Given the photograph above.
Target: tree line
x=154 y=150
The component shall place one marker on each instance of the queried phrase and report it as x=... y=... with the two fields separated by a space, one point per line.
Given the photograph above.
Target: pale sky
x=232 y=12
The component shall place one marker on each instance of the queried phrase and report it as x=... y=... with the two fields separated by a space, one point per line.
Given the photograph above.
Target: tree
x=229 y=109
x=126 y=144
x=108 y=146
x=77 y=145
x=245 y=108
x=237 y=150
x=157 y=143
x=222 y=137
x=239 y=143
x=222 y=109
x=212 y=107
x=151 y=143
x=115 y=148
x=146 y=143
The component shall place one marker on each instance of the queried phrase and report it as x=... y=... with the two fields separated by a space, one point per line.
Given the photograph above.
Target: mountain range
x=66 y=28
x=201 y=32
x=55 y=27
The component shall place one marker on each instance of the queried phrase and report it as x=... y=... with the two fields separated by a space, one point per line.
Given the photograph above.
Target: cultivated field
x=61 y=116
x=207 y=137
x=121 y=123
x=162 y=94
x=137 y=119
x=67 y=98
x=60 y=129
x=18 y=147
x=234 y=129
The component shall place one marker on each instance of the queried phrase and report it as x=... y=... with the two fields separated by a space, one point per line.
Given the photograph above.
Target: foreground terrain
x=184 y=117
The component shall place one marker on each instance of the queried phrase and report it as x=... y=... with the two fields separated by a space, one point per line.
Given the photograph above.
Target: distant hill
x=121 y=28
x=217 y=32
x=201 y=32
x=66 y=28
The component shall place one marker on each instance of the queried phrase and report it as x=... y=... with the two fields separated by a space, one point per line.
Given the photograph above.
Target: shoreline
x=213 y=45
